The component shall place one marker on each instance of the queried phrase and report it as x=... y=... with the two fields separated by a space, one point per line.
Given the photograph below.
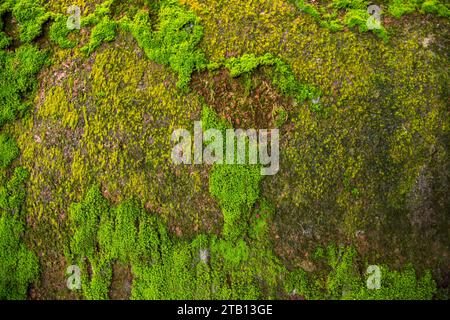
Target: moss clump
x=13 y=192
x=358 y=168
x=59 y=32
x=236 y=187
x=398 y=8
x=162 y=267
x=248 y=63
x=172 y=41
x=345 y=281
x=19 y=267
x=355 y=12
x=282 y=75
x=18 y=78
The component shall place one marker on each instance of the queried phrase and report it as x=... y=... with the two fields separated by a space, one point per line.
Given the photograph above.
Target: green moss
x=356 y=169
x=307 y=8
x=344 y=281
x=326 y=14
x=210 y=120
x=5 y=41
x=282 y=75
x=280 y=115
x=18 y=266
x=59 y=32
x=91 y=219
x=236 y=187
x=173 y=269
x=397 y=8
x=13 y=192
x=285 y=79
x=30 y=15
x=333 y=25
x=162 y=267
x=435 y=7
x=18 y=71
x=357 y=18
x=350 y=4
x=8 y=150
x=261 y=221
x=248 y=63
x=174 y=40
x=104 y=31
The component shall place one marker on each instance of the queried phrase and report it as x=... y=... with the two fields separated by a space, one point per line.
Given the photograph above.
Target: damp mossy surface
x=86 y=176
